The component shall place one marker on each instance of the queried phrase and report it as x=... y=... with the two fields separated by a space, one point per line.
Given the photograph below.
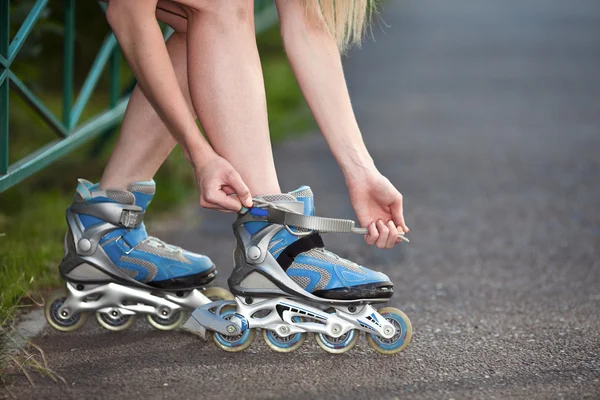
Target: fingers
x=384 y=236
x=228 y=193
x=228 y=190
x=373 y=234
x=230 y=203
x=384 y=233
x=398 y=215
x=215 y=198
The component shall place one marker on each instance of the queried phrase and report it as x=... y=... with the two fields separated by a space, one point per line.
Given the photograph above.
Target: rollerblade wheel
x=338 y=345
x=169 y=323
x=234 y=343
x=116 y=322
x=53 y=304
x=401 y=338
x=283 y=344
x=217 y=293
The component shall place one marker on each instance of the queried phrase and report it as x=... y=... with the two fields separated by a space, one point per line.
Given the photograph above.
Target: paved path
x=486 y=114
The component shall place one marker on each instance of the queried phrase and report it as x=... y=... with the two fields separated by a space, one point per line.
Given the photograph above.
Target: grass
x=32 y=224
x=19 y=353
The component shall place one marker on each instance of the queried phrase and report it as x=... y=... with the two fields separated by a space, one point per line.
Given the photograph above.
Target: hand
x=378 y=206
x=217 y=182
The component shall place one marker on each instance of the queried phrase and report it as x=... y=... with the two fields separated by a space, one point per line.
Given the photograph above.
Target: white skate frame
x=111 y=298
x=364 y=318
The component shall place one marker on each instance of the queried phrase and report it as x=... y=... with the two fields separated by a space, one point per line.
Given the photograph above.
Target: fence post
x=115 y=77
x=4 y=65
x=68 y=63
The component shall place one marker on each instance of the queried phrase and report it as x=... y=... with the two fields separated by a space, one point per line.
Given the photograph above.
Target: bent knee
x=232 y=10
x=173 y=15
x=124 y=12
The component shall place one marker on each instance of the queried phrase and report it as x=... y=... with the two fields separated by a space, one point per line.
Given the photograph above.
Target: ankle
x=264 y=188
x=114 y=183
x=120 y=182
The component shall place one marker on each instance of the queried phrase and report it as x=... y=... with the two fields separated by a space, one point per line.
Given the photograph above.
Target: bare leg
x=227 y=88
x=144 y=141
x=228 y=93
x=135 y=25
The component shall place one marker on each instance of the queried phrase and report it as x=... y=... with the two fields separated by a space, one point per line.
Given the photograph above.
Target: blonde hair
x=346 y=19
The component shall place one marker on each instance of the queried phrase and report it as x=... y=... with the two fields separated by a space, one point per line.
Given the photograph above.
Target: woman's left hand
x=378 y=206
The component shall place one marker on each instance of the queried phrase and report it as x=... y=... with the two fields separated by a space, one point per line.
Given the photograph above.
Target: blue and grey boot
x=288 y=285
x=280 y=235
x=107 y=240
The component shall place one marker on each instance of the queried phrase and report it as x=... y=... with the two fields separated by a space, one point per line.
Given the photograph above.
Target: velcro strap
x=305 y=243
x=320 y=224
x=125 y=215
x=135 y=236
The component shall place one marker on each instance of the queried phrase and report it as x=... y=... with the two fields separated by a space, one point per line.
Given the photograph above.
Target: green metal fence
x=70 y=131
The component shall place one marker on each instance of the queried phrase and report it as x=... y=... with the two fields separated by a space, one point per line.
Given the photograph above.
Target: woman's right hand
x=217 y=182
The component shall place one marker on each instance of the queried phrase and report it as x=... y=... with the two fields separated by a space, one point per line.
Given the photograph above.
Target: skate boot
x=113 y=268
x=286 y=283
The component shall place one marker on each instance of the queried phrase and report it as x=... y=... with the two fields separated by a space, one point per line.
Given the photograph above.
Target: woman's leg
x=137 y=30
x=144 y=141
x=227 y=88
x=228 y=93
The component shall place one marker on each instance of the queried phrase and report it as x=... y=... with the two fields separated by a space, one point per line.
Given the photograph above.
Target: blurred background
x=485 y=114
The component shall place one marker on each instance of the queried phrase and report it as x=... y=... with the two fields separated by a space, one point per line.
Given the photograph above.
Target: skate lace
x=156 y=243
x=159 y=244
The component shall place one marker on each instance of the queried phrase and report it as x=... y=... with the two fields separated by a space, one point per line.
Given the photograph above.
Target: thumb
x=398 y=215
x=242 y=191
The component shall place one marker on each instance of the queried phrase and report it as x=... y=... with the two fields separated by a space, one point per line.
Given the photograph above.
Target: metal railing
x=71 y=133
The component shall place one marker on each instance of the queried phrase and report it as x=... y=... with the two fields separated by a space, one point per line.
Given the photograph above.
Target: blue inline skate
x=113 y=268
x=288 y=285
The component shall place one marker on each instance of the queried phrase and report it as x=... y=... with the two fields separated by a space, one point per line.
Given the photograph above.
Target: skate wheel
x=217 y=293
x=115 y=322
x=233 y=343
x=283 y=344
x=53 y=304
x=167 y=324
x=401 y=338
x=340 y=344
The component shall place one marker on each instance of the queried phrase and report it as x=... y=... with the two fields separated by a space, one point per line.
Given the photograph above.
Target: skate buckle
x=130 y=218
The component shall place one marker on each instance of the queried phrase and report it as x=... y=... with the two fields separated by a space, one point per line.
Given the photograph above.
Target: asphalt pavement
x=486 y=115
